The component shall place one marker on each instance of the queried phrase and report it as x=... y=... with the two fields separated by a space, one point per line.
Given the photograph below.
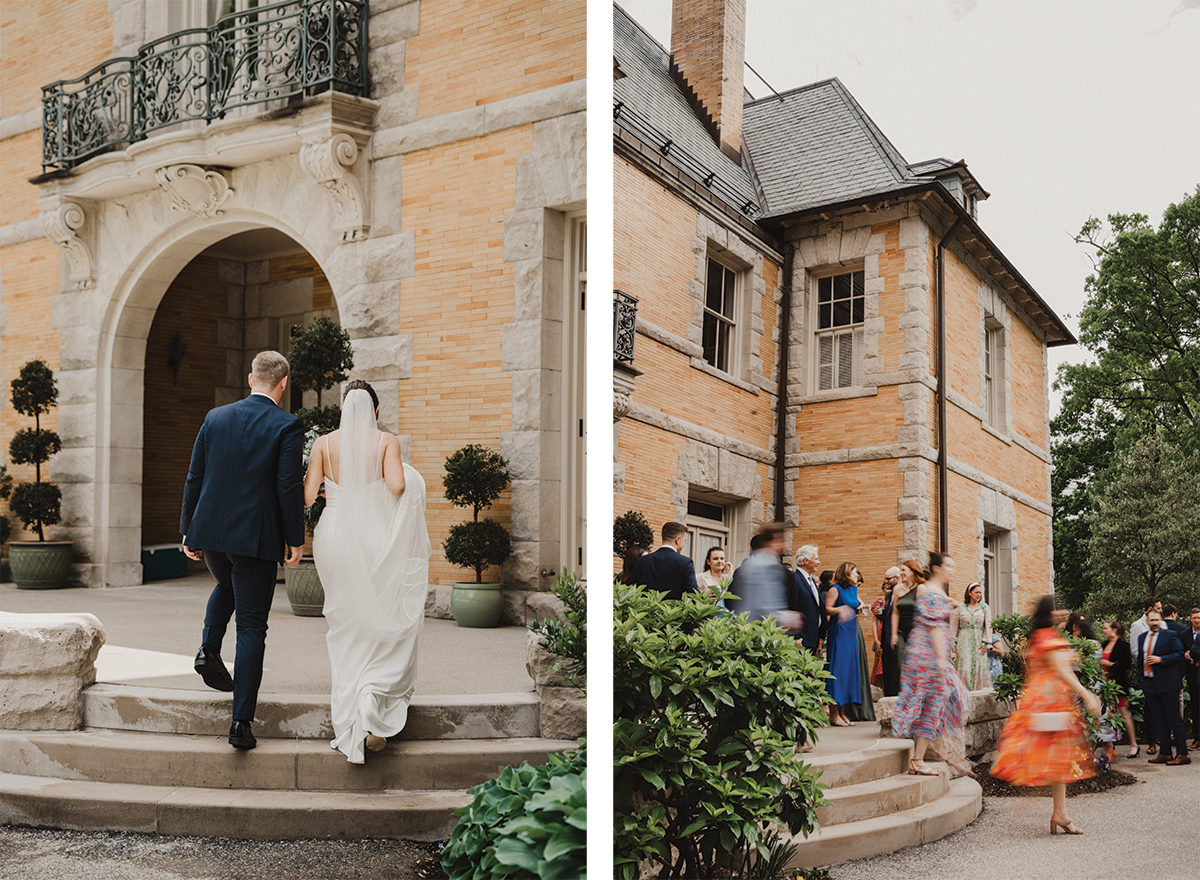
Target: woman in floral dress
x=1043 y=742
x=933 y=700
x=970 y=633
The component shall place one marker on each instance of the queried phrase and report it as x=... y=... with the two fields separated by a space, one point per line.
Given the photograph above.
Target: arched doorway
x=239 y=296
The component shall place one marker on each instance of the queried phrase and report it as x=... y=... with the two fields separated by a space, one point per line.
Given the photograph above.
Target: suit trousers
x=1168 y=722
x=1193 y=709
x=245 y=588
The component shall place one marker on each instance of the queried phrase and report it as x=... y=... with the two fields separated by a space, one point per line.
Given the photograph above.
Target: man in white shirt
x=1136 y=629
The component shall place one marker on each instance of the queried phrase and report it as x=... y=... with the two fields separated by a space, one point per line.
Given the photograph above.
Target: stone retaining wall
x=985 y=721
x=521 y=607
x=564 y=707
x=46 y=660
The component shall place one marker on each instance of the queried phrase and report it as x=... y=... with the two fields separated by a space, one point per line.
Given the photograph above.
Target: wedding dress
x=372 y=552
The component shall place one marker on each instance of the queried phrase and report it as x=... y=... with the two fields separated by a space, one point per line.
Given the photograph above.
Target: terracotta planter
x=304 y=590
x=476 y=605
x=40 y=565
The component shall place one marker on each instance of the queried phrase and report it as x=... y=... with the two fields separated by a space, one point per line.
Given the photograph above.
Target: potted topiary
x=475 y=477
x=39 y=564
x=320 y=357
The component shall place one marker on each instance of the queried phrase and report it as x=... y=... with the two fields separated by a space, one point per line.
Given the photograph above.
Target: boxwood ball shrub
x=709 y=709
x=528 y=822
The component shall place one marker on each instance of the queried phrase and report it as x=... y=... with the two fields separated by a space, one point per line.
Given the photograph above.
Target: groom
x=243 y=502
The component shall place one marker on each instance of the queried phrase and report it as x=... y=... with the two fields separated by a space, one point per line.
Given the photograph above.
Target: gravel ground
x=1148 y=829
x=31 y=854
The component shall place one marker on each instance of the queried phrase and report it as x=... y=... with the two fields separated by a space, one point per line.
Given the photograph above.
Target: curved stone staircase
x=158 y=761
x=877 y=807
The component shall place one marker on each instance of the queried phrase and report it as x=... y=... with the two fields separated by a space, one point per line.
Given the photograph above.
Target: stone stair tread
x=894 y=831
x=139 y=757
x=885 y=758
x=879 y=796
x=49 y=802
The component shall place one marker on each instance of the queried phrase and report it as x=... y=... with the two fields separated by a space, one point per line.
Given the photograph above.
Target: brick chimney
x=708 y=57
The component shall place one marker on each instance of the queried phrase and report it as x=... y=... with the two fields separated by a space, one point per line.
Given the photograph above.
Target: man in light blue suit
x=761 y=581
x=243 y=512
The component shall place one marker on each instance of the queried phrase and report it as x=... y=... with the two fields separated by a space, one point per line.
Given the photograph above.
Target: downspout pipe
x=943 y=461
x=785 y=333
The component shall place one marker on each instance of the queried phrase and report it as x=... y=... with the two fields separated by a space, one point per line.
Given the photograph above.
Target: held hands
x=192 y=552
x=293 y=556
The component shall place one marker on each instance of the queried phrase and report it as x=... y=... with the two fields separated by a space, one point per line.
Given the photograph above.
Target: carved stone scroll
x=329 y=162
x=61 y=223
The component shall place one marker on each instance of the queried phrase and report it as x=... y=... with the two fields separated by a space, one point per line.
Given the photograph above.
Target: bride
x=372 y=551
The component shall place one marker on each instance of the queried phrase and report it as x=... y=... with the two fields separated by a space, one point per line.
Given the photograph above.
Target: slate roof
x=654 y=108
x=815 y=146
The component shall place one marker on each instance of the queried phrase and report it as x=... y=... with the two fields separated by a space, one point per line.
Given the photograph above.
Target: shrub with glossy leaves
x=566 y=636
x=528 y=822
x=709 y=710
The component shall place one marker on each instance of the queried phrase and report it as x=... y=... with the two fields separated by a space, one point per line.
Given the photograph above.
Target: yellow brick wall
x=1028 y=397
x=173 y=412
x=455 y=199
x=474 y=52
x=46 y=42
x=842 y=424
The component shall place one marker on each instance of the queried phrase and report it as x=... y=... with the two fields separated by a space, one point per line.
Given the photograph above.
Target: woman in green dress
x=971 y=634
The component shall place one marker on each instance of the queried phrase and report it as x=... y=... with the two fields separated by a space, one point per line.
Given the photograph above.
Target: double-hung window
x=839 y=335
x=993 y=375
x=720 y=324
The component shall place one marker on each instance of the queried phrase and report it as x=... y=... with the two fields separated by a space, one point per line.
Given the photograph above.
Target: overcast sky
x=1062 y=109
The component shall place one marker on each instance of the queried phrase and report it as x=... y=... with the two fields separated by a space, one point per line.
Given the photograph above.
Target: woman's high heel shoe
x=1068 y=827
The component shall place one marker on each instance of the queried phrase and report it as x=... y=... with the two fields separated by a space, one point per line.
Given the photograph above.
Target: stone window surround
x=718 y=472
x=812 y=320
x=714 y=241
x=997 y=518
x=994 y=314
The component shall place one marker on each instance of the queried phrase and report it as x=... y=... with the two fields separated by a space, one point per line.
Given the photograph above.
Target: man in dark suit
x=667 y=569
x=804 y=597
x=243 y=508
x=1191 y=658
x=1160 y=663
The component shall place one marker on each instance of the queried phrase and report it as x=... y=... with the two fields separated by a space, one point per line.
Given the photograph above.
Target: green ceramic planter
x=476 y=605
x=40 y=565
x=304 y=589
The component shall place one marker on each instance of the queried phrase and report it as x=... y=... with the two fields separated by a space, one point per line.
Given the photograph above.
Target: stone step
x=883 y=759
x=207 y=713
x=80 y=805
x=137 y=758
x=834 y=844
x=880 y=797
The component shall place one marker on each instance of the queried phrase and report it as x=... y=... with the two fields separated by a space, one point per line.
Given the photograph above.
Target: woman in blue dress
x=841 y=606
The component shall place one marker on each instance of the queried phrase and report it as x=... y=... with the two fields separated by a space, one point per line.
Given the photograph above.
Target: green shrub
x=630 y=529
x=475 y=477
x=528 y=822
x=709 y=710
x=566 y=637
x=34 y=393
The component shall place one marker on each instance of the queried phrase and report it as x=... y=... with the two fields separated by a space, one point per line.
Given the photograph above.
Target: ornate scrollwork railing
x=270 y=53
x=624 y=325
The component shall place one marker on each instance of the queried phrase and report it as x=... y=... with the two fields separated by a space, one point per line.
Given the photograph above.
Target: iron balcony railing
x=268 y=53
x=624 y=325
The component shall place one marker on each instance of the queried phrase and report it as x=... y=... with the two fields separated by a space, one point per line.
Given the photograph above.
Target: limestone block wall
x=46 y=661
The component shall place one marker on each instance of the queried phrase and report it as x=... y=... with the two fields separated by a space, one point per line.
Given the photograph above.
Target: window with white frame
x=708 y=523
x=719 y=333
x=993 y=374
x=838 y=339
x=998 y=570
x=989 y=568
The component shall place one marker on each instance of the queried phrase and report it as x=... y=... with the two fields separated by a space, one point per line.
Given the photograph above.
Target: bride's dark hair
x=365 y=386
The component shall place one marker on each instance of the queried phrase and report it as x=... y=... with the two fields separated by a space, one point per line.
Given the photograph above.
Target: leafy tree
x=320 y=357
x=1141 y=324
x=630 y=529
x=1144 y=531
x=709 y=709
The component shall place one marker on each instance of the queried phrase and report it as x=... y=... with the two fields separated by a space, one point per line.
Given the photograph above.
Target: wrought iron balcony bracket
x=624 y=326
x=283 y=52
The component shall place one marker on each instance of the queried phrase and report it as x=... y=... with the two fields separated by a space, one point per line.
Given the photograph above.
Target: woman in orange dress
x=1043 y=742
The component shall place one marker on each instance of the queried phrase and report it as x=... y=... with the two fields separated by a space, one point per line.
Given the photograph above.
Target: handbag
x=1049 y=722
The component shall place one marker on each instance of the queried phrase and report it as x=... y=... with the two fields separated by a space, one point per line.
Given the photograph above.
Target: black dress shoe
x=240 y=736
x=212 y=670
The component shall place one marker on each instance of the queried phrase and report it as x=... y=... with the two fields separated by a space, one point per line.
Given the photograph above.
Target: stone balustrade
x=46 y=661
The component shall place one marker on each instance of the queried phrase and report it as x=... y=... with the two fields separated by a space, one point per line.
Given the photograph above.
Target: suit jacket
x=761 y=584
x=245 y=486
x=667 y=571
x=1121 y=659
x=806 y=600
x=1168 y=675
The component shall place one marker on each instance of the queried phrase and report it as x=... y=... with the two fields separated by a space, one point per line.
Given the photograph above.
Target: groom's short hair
x=269 y=369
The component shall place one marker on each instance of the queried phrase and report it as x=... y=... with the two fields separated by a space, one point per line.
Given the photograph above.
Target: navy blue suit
x=242 y=503
x=1163 y=687
x=667 y=571
x=801 y=597
x=1191 y=644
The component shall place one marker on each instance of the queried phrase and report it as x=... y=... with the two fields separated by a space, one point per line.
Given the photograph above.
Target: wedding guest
x=970 y=633
x=845 y=637
x=995 y=656
x=1191 y=657
x=805 y=598
x=716 y=569
x=761 y=581
x=1115 y=660
x=904 y=603
x=1077 y=625
x=933 y=700
x=1043 y=742
x=881 y=612
x=667 y=569
x=1139 y=626
x=1160 y=663
x=631 y=556
x=865 y=710
x=1168 y=615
